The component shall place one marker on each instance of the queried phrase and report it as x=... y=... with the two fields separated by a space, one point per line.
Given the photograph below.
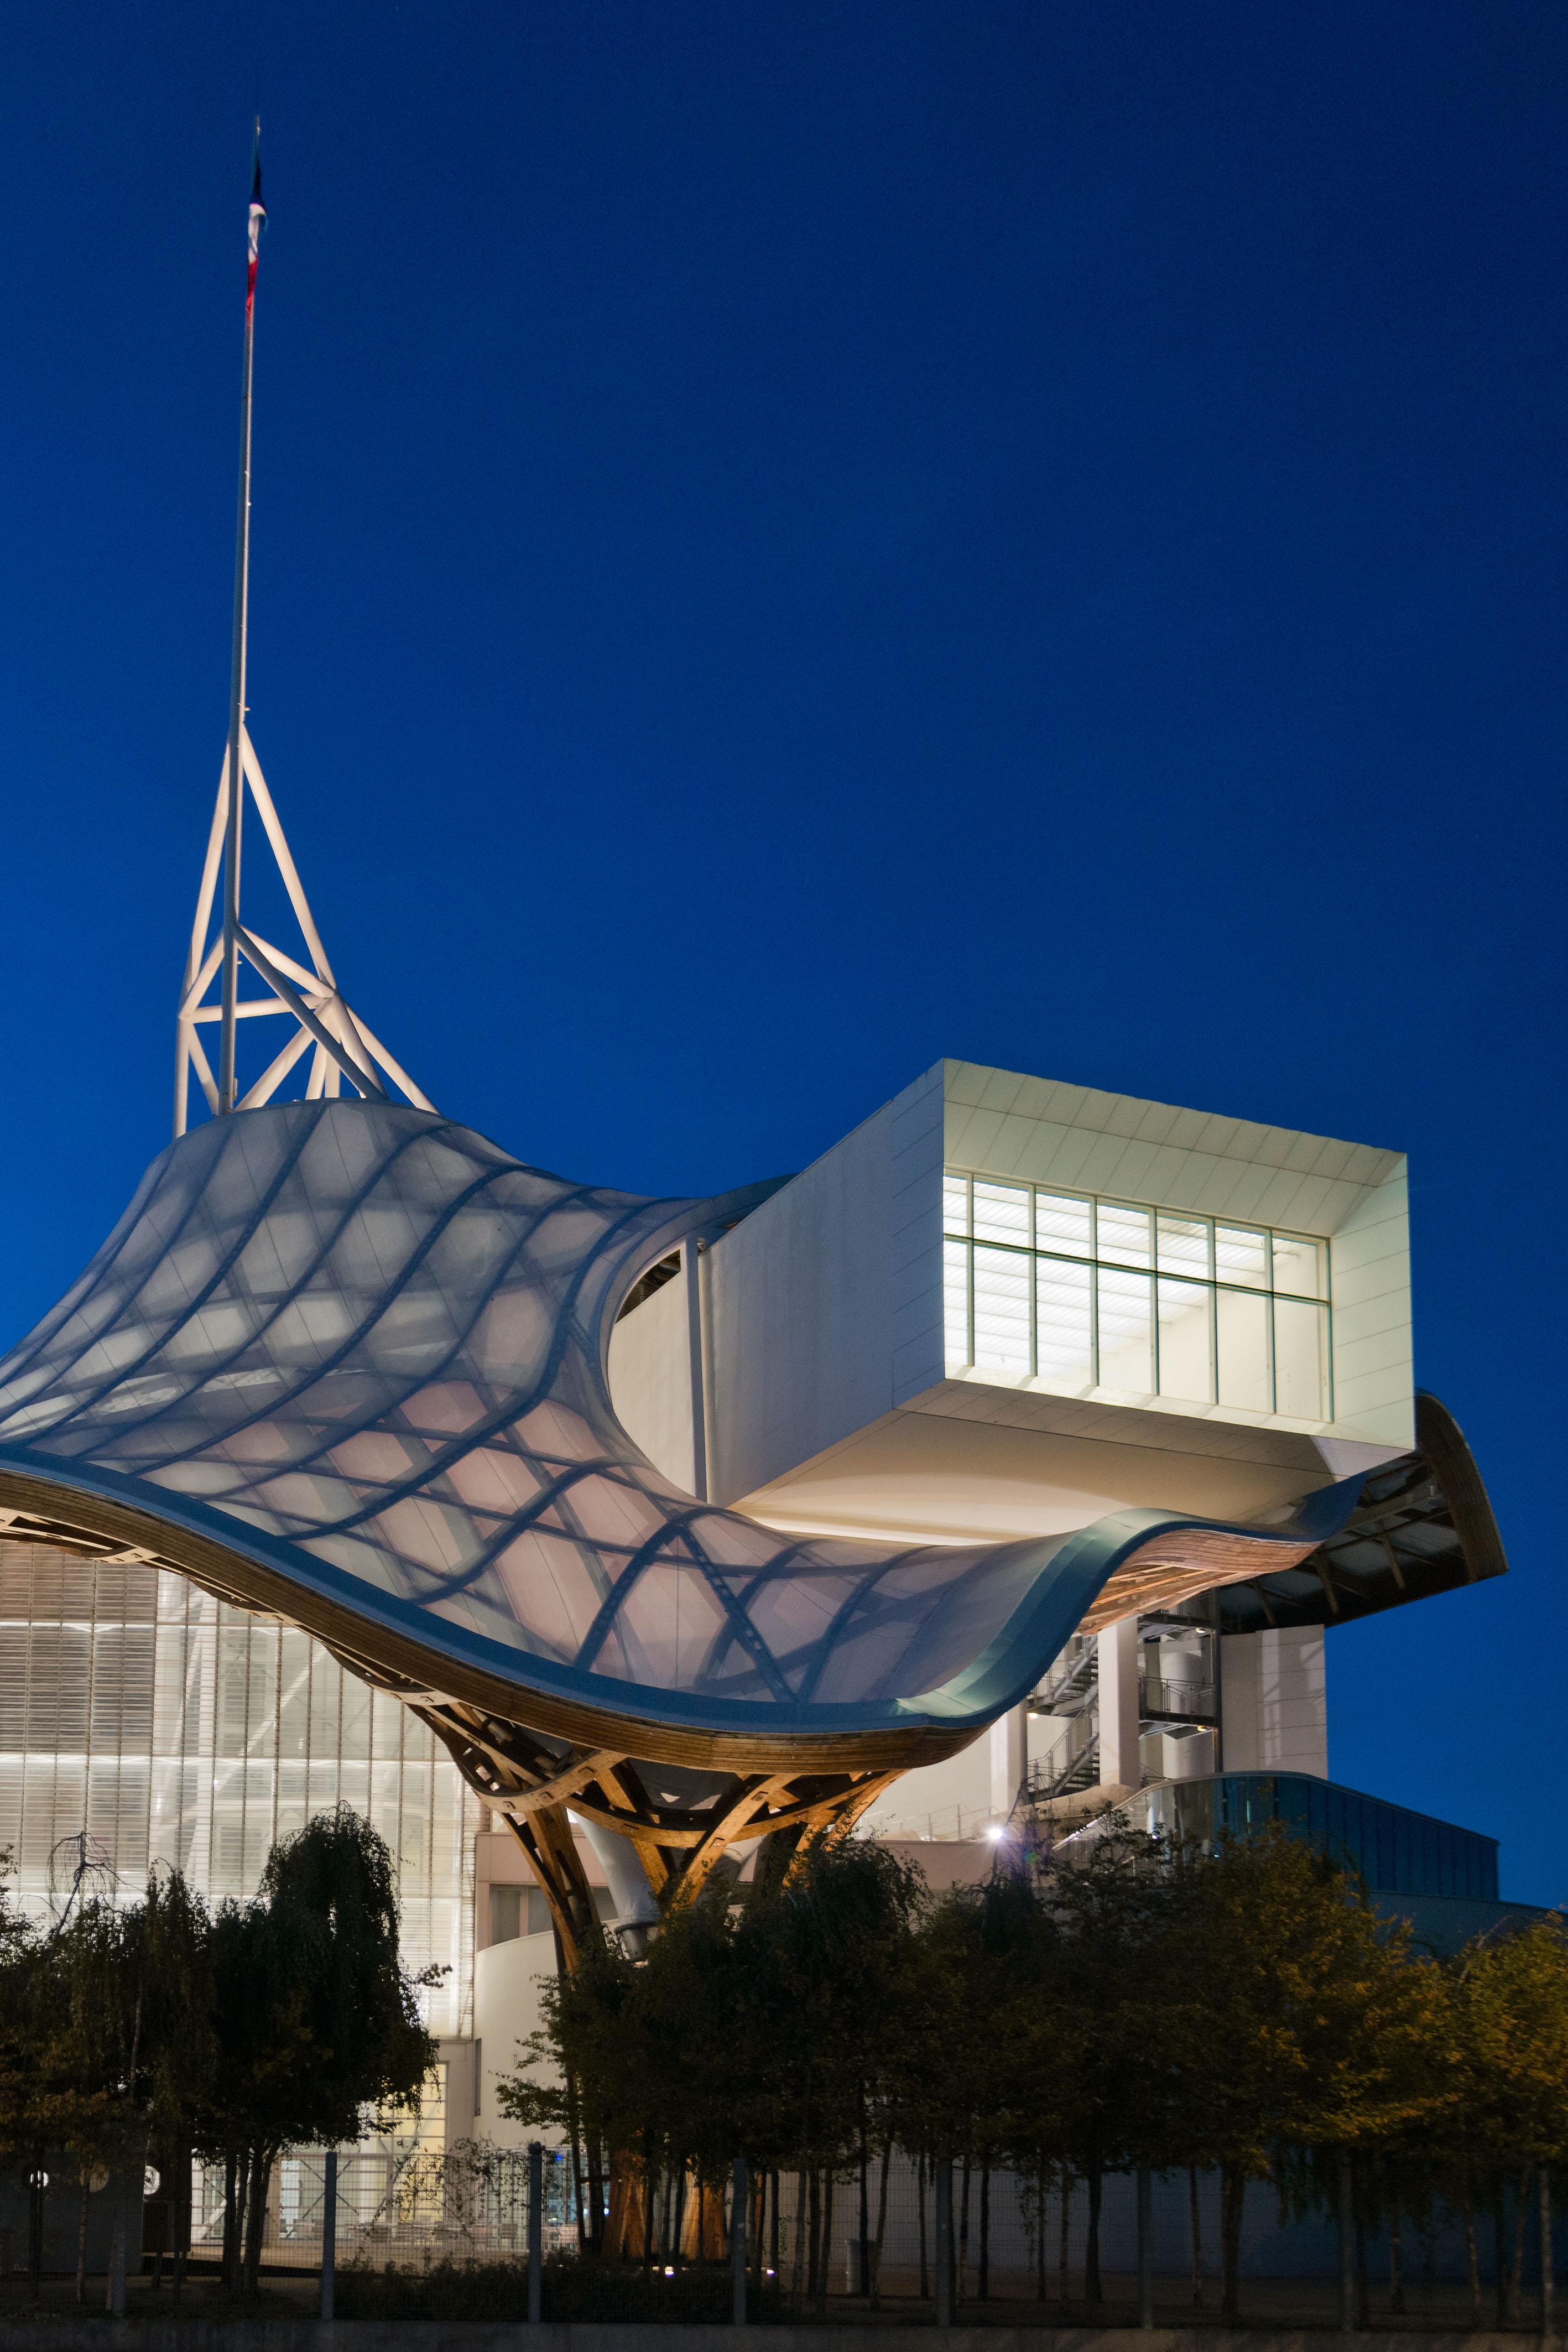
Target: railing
x=1078 y=1684
x=1191 y=1701
x=1080 y=1770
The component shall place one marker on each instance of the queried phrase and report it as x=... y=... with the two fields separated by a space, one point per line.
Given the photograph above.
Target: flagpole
x=235 y=764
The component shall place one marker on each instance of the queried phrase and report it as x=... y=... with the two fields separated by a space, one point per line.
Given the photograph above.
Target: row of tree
x=161 y=2029
x=1123 y=2004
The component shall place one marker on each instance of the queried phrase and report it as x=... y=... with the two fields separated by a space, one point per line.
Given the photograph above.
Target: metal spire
x=307 y=993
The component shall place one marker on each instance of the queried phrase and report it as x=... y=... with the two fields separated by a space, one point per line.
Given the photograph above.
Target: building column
x=1009 y=1758
x=1116 y=1659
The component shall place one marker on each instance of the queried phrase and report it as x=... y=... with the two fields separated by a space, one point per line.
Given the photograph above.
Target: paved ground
x=1274 y=2304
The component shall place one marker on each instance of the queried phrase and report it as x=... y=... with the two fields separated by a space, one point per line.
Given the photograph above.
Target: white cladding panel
x=832 y=1405
x=1273 y=1696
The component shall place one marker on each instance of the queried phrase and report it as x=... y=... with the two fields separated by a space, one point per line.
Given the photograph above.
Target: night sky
x=790 y=541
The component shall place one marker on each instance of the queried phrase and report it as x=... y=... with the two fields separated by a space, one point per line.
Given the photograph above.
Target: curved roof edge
x=1423 y=1525
x=401 y=1644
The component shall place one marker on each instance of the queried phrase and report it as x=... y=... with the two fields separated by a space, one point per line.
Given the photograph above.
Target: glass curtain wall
x=174 y=1729
x=1082 y=1292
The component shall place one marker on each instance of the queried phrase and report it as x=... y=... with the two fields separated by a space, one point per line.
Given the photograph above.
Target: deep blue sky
x=790 y=541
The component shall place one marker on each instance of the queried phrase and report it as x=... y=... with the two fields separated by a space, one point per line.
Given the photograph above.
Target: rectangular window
x=1002 y=1310
x=1186 y=1340
x=1124 y=1304
x=1122 y=1236
x=1082 y=1292
x=1300 y=1267
x=1064 y=1322
x=1063 y=1226
x=1246 y=1364
x=1001 y=1213
x=1301 y=1359
x=955 y=1302
x=1241 y=1256
x=1183 y=1244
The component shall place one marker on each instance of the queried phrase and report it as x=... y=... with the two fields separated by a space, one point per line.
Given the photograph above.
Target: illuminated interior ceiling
x=343 y=1361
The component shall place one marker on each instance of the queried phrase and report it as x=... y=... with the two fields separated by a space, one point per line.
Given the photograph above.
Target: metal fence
x=402 y=2205
x=451 y=2225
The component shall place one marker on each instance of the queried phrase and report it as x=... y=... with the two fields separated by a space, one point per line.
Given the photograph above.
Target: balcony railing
x=1190 y=1702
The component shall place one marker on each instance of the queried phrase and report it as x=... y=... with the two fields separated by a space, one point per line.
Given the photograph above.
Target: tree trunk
x=596 y=2196
x=1061 y=2280
x=1521 y=2217
x=814 y=2235
x=182 y=2209
x=920 y=2208
x=963 y=2235
x=984 y=2281
x=1362 y=2293
x=797 y=2267
x=826 y=2242
x=233 y=2190
x=36 y=2195
x=81 y=2242
x=1396 y=2261
x=1040 y=2233
x=576 y=2182
x=1471 y=2256
x=260 y=2177
x=881 y=2226
x=1093 y=2293
x=1547 y=2283
x=1232 y=2200
x=1193 y=2207
x=114 y=2286
x=1500 y=2242
x=773 y=2223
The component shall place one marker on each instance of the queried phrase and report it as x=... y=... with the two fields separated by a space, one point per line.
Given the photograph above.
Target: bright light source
x=669 y=2270
x=998 y=1830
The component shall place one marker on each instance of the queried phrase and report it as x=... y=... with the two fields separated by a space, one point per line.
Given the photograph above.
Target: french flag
x=257 y=217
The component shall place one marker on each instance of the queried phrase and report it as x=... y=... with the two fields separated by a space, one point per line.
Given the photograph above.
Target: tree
x=759 y=2024
x=131 y=2049
x=316 y=2019
x=1309 y=2020
x=1509 y=2115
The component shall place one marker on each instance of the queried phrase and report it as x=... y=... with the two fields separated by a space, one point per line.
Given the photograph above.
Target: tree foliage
x=126 y=2027
x=1120 y=2001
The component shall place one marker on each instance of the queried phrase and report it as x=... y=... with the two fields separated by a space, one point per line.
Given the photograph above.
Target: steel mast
x=300 y=986
x=226 y=1091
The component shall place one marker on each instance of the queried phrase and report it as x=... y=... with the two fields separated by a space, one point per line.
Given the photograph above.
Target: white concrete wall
x=950 y=1800
x=801 y=1299
x=917 y=1139
x=507 y=1981
x=1000 y=1123
x=1374 y=1367
x=650 y=1373
x=1273 y=1698
x=1117 y=1661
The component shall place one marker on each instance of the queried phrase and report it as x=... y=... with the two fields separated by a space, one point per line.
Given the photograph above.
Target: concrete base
x=507 y=2336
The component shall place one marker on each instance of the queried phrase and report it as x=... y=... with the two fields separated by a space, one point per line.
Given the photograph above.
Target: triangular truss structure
x=307 y=996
